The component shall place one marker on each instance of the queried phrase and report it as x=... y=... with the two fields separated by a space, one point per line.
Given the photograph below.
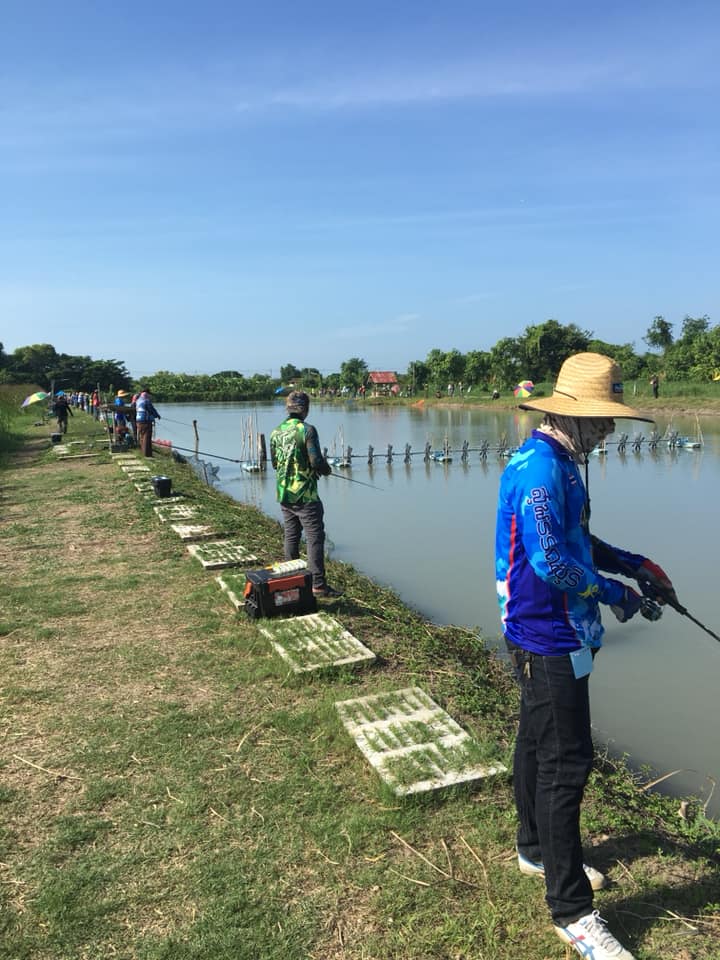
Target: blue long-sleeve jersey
x=548 y=585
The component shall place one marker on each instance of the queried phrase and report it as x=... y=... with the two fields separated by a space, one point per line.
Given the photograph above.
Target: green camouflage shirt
x=296 y=456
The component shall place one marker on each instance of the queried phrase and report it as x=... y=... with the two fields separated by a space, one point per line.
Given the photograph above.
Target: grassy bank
x=169 y=790
x=675 y=398
x=13 y=419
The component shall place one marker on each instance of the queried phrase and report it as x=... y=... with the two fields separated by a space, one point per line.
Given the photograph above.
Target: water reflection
x=429 y=534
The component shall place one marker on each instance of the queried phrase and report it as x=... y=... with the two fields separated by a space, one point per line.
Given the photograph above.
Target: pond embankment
x=171 y=788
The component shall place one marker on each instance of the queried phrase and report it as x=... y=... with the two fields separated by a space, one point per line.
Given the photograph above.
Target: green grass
x=181 y=794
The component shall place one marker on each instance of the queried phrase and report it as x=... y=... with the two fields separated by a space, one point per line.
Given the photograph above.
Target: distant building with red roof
x=383 y=381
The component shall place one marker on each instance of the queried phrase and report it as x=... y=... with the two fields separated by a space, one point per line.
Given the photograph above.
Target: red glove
x=628 y=605
x=655 y=583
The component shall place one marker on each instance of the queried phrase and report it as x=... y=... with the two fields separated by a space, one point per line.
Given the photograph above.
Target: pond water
x=428 y=529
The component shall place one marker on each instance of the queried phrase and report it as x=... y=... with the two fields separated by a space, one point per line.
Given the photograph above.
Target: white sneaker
x=592 y=939
x=531 y=868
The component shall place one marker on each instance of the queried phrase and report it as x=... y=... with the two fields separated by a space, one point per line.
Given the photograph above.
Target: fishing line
x=182 y=423
x=202 y=453
x=339 y=476
x=216 y=456
x=665 y=596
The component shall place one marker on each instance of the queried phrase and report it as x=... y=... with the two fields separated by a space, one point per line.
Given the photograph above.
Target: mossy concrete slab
x=233 y=585
x=414 y=745
x=195 y=531
x=176 y=511
x=288 y=566
x=148 y=492
x=221 y=554
x=315 y=641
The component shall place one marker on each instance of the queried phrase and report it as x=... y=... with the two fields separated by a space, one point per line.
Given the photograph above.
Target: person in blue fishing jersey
x=145 y=417
x=550 y=589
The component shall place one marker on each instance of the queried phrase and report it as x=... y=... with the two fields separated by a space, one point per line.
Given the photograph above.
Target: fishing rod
x=663 y=594
x=201 y=453
x=216 y=456
x=340 y=476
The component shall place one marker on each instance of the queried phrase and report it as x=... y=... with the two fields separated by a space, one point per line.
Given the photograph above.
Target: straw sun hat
x=588 y=385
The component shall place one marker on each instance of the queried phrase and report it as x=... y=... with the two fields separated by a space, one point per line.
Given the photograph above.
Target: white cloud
x=196 y=96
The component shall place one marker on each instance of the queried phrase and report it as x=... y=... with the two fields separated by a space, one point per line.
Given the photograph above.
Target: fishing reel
x=650 y=609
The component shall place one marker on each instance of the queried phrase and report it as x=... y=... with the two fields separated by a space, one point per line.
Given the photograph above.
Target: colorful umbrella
x=35 y=398
x=524 y=388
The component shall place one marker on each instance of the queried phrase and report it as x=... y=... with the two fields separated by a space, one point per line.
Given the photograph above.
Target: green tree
x=435 y=362
x=105 y=372
x=507 y=359
x=311 y=377
x=547 y=345
x=289 y=372
x=418 y=375
x=353 y=373
x=454 y=366
x=477 y=367
x=631 y=364
x=694 y=328
x=696 y=354
x=445 y=367
x=659 y=335
x=36 y=363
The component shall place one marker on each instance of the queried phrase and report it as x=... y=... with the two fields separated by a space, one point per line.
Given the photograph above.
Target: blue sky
x=229 y=185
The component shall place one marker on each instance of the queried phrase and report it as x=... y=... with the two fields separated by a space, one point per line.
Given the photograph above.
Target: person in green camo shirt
x=298 y=461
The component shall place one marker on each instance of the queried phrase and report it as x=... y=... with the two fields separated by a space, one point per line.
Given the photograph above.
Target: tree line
x=41 y=364
x=539 y=351
x=693 y=355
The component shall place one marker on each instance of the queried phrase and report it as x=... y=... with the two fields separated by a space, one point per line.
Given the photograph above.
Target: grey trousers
x=307 y=517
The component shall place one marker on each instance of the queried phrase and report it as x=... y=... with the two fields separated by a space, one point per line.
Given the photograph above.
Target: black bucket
x=162 y=486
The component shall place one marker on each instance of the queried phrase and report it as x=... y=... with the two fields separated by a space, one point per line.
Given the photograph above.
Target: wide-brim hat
x=588 y=385
x=123 y=393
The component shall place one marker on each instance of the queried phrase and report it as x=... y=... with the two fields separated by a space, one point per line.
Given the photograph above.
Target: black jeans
x=553 y=759
x=308 y=517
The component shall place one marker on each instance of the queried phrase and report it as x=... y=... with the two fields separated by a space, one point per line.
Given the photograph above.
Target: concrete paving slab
x=314 y=641
x=176 y=511
x=222 y=553
x=194 y=531
x=414 y=745
x=233 y=585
